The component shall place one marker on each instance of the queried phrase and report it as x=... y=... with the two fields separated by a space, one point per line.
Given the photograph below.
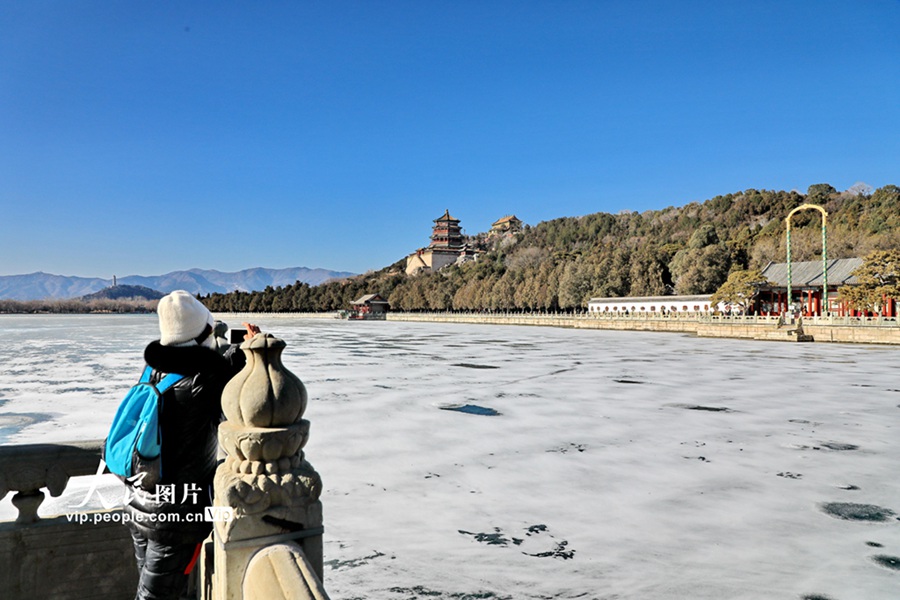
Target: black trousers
x=161 y=568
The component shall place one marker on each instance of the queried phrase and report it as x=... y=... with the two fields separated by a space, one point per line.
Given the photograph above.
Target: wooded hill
x=124 y=292
x=560 y=264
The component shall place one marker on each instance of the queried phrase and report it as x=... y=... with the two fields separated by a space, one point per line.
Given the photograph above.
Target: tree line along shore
x=78 y=306
x=558 y=265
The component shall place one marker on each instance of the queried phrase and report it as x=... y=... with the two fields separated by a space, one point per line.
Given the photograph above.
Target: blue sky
x=143 y=137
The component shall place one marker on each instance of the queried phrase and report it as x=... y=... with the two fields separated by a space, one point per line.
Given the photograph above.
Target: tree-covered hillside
x=125 y=292
x=560 y=264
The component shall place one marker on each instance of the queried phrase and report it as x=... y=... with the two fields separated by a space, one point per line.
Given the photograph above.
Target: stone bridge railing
x=59 y=556
x=270 y=548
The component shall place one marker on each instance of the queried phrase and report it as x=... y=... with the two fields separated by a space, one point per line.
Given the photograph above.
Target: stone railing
x=865 y=330
x=59 y=556
x=852 y=321
x=29 y=468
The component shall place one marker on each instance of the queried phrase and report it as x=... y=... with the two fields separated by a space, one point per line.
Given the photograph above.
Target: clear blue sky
x=145 y=137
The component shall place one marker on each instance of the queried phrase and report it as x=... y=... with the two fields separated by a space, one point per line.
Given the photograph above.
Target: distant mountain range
x=39 y=286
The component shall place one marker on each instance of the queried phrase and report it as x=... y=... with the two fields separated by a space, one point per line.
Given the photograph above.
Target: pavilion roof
x=809 y=273
x=506 y=219
x=446 y=217
x=370 y=299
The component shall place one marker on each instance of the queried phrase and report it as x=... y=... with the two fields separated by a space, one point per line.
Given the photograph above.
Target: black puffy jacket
x=172 y=509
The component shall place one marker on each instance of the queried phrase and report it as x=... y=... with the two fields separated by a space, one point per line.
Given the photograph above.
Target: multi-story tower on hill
x=447 y=247
x=447 y=232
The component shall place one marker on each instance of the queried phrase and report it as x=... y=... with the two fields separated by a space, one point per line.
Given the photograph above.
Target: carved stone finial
x=264 y=393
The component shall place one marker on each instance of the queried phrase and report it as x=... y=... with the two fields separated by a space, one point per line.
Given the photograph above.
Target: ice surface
x=617 y=465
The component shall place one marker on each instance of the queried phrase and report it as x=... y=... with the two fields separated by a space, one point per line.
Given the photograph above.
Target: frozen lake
x=591 y=464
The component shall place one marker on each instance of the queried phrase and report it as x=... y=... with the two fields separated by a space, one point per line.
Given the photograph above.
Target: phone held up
x=237 y=336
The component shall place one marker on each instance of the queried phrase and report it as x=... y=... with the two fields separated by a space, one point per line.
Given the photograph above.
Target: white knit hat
x=182 y=318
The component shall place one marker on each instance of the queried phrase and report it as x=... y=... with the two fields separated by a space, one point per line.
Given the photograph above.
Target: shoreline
x=847 y=330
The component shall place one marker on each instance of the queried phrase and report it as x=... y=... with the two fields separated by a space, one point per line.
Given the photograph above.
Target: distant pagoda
x=447 y=233
x=447 y=247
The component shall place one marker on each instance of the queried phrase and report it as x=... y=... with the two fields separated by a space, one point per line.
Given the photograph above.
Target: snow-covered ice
x=466 y=461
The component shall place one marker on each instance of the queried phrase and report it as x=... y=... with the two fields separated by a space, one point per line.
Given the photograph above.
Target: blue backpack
x=135 y=429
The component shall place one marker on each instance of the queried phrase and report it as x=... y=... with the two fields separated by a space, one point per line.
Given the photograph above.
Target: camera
x=237 y=336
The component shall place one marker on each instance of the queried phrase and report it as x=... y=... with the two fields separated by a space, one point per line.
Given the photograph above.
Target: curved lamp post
x=824 y=253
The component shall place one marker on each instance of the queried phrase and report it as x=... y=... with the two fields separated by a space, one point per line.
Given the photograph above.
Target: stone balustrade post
x=271 y=546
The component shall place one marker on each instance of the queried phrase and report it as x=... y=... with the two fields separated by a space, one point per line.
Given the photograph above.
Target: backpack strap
x=145 y=376
x=168 y=381
x=165 y=383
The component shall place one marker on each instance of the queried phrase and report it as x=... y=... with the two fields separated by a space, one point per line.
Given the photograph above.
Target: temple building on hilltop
x=447 y=247
x=508 y=224
x=447 y=233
